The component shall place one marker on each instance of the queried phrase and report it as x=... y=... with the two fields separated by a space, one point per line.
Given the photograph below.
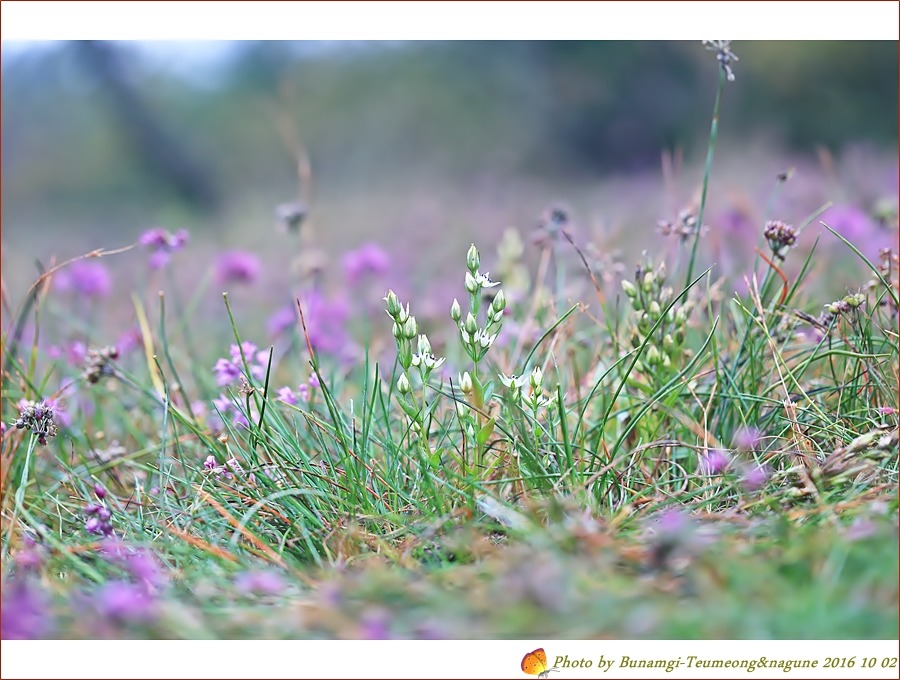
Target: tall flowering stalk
x=417 y=362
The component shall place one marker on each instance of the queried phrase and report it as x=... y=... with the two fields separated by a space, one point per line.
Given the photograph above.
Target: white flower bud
x=473 y=259
x=455 y=311
x=465 y=383
x=403 y=386
x=471 y=283
x=393 y=304
x=471 y=325
x=397 y=331
x=537 y=378
x=410 y=328
x=629 y=288
x=403 y=314
x=499 y=303
x=424 y=345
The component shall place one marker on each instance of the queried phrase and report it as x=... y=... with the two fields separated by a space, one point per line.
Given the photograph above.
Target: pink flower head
x=123 y=601
x=237 y=267
x=260 y=582
x=713 y=462
x=369 y=259
x=855 y=225
x=90 y=279
x=755 y=477
x=287 y=395
x=747 y=438
x=25 y=613
x=282 y=320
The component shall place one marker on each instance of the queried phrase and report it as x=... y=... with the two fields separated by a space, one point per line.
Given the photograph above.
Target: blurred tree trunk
x=163 y=153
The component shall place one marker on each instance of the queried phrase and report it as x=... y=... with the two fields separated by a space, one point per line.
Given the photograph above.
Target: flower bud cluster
x=37 y=417
x=410 y=354
x=650 y=296
x=475 y=339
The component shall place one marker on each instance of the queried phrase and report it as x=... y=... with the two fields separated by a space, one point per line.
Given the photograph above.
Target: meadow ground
x=531 y=437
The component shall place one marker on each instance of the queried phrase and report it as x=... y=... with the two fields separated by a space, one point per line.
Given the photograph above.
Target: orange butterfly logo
x=535 y=663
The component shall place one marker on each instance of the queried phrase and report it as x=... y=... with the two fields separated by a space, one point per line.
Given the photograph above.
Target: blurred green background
x=103 y=140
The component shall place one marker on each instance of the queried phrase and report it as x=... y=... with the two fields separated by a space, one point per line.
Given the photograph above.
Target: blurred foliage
x=379 y=112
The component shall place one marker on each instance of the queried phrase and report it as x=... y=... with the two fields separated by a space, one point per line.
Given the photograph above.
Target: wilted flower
x=37 y=417
x=237 y=267
x=99 y=363
x=289 y=216
x=780 y=236
x=725 y=56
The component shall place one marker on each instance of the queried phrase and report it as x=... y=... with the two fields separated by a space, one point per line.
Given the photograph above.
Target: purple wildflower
x=161 y=244
x=91 y=279
x=287 y=395
x=123 y=601
x=282 y=320
x=140 y=563
x=237 y=267
x=747 y=438
x=314 y=381
x=887 y=410
x=30 y=556
x=99 y=491
x=98 y=520
x=366 y=260
x=24 y=614
x=227 y=372
x=755 y=477
x=76 y=353
x=325 y=322
x=179 y=239
x=156 y=238
x=159 y=260
x=714 y=462
x=303 y=392
x=852 y=223
x=260 y=582
x=673 y=532
x=130 y=339
x=431 y=630
x=375 y=624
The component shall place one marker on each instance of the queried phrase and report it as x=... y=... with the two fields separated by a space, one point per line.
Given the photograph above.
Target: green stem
x=713 y=135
